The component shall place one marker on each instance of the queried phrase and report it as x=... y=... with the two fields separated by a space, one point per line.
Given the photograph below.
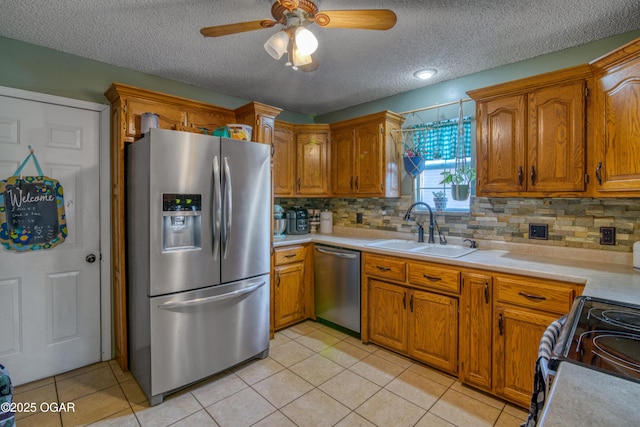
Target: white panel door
x=50 y=299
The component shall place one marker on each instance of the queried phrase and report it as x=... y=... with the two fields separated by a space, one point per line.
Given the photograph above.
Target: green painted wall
x=39 y=69
x=456 y=89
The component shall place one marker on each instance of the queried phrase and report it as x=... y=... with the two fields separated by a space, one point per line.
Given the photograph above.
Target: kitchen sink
x=400 y=245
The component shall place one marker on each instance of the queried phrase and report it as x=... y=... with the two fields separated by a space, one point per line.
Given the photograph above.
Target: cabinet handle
x=273 y=149
x=534 y=297
x=404 y=300
x=431 y=278
x=298 y=183
x=411 y=303
x=278 y=280
x=533 y=175
x=290 y=256
x=381 y=268
x=486 y=292
x=599 y=173
x=357 y=183
x=351 y=183
x=520 y=176
x=500 y=324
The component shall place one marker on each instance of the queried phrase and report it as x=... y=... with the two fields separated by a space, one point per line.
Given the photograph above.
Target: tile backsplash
x=572 y=222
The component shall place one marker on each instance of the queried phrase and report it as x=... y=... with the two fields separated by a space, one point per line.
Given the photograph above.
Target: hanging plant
x=414 y=163
x=460 y=180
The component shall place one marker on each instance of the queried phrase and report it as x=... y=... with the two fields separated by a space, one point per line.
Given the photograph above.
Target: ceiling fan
x=294 y=38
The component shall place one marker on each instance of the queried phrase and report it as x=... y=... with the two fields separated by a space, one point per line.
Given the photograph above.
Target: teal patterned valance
x=437 y=140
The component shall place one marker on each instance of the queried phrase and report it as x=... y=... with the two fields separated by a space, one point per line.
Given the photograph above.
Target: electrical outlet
x=607 y=235
x=359 y=218
x=539 y=231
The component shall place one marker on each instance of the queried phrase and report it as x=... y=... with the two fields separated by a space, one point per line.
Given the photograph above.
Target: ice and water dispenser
x=181 y=222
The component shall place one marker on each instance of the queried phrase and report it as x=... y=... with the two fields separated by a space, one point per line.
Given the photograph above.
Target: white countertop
x=579 y=396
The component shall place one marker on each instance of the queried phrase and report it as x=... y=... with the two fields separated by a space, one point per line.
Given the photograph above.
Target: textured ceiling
x=456 y=37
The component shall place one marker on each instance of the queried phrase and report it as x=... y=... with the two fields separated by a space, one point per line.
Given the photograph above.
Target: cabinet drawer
x=547 y=296
x=434 y=276
x=385 y=267
x=289 y=255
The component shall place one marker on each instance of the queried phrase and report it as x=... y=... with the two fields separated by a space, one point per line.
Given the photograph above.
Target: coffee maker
x=297 y=220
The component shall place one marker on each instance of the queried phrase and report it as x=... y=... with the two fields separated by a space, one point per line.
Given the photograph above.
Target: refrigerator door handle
x=199 y=301
x=216 y=209
x=228 y=208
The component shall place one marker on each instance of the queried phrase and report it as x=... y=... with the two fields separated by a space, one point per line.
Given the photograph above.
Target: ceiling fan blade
x=373 y=19
x=241 y=27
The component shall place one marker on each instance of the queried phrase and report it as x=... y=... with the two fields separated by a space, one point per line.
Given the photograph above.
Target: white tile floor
x=314 y=376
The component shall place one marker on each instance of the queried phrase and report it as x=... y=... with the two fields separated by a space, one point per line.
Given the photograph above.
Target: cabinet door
x=343 y=165
x=556 y=138
x=283 y=162
x=517 y=334
x=388 y=314
x=617 y=130
x=475 y=330
x=433 y=330
x=368 y=158
x=312 y=153
x=289 y=294
x=501 y=139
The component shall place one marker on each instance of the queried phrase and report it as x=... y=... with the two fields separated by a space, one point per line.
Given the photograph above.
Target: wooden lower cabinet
x=517 y=334
x=476 y=329
x=433 y=329
x=388 y=319
x=291 y=286
x=408 y=319
x=289 y=294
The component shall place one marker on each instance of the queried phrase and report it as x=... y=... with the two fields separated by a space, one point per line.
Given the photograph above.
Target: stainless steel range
x=603 y=335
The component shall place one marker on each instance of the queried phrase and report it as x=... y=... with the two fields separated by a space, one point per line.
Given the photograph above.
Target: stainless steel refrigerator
x=198 y=212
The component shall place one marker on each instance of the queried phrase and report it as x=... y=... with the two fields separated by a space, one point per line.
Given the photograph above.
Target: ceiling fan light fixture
x=306 y=42
x=299 y=59
x=277 y=44
x=425 y=74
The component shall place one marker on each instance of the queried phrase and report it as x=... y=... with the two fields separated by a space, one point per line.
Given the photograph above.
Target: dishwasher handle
x=338 y=254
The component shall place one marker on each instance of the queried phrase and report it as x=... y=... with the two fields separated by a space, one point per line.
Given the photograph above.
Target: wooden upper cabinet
x=500 y=144
x=616 y=154
x=261 y=118
x=367 y=159
x=283 y=160
x=556 y=138
x=531 y=135
x=312 y=161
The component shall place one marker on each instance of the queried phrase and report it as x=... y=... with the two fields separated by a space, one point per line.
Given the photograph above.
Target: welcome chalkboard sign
x=31 y=213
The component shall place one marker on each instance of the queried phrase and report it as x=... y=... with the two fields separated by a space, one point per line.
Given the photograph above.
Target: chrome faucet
x=407 y=217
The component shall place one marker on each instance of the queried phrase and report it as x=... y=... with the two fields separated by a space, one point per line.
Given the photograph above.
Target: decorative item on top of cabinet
x=616 y=125
x=367 y=160
x=530 y=135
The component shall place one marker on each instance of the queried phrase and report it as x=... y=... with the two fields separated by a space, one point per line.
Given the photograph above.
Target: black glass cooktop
x=602 y=335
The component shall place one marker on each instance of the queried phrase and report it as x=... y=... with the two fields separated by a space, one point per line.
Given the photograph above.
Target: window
x=437 y=142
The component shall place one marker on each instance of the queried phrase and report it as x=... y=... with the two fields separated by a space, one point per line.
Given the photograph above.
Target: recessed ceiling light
x=425 y=74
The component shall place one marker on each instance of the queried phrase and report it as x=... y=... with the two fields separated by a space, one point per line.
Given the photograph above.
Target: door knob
x=90 y=258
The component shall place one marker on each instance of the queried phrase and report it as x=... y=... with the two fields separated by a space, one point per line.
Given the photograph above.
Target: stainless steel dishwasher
x=337 y=286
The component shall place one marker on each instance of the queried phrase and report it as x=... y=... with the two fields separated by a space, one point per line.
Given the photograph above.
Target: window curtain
x=437 y=140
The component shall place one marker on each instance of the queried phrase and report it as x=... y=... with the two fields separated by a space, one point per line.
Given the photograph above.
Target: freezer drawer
x=200 y=333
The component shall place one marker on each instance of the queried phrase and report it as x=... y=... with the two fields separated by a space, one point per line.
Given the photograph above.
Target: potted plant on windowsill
x=460 y=179
x=440 y=200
